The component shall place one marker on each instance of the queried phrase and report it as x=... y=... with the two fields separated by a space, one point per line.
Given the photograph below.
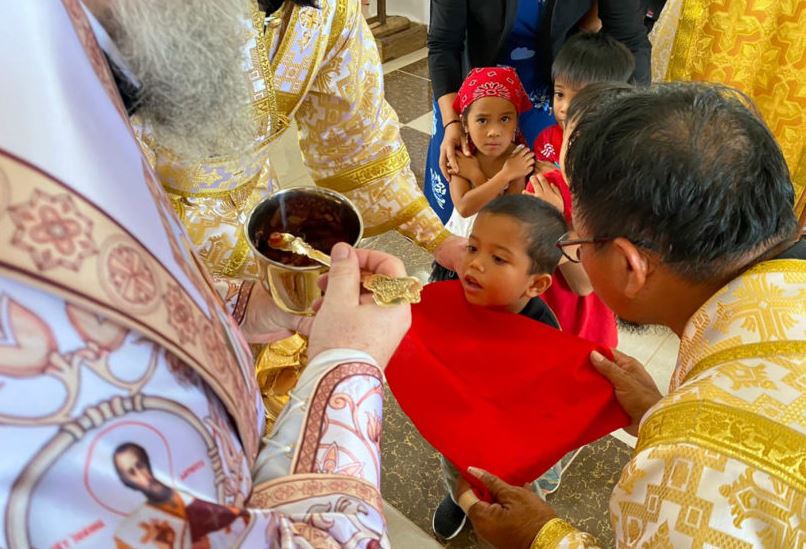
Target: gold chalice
x=319 y=216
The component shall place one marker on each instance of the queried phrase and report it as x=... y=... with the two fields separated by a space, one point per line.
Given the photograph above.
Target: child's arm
x=517 y=186
x=576 y=277
x=468 y=199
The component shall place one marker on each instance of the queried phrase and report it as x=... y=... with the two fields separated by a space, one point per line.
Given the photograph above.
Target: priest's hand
x=449 y=254
x=265 y=322
x=635 y=389
x=349 y=319
x=515 y=516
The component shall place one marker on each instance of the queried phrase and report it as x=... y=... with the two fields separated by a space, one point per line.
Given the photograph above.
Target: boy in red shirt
x=586 y=58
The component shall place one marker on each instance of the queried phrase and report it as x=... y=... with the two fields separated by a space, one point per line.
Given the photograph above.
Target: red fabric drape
x=498 y=390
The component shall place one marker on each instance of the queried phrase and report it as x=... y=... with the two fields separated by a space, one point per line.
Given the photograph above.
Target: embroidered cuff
x=552 y=534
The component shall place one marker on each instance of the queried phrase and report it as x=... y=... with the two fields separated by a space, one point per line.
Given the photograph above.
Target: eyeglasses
x=571 y=248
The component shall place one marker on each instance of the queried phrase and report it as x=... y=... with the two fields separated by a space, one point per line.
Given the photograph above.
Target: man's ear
x=538 y=284
x=637 y=266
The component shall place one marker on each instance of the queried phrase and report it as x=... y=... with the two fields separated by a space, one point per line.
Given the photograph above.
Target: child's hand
x=544 y=167
x=468 y=168
x=540 y=187
x=520 y=163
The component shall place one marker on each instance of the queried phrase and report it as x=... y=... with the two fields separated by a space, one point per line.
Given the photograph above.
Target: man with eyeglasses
x=684 y=217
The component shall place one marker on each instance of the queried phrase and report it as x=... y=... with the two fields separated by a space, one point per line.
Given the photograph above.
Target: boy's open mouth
x=471 y=284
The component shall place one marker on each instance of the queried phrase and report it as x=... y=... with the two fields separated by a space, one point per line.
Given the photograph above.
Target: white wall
x=416 y=10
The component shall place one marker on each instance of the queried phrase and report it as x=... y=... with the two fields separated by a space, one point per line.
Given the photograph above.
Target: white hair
x=188 y=54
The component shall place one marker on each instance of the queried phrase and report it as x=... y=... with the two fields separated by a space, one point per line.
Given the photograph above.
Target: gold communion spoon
x=387 y=291
x=287 y=242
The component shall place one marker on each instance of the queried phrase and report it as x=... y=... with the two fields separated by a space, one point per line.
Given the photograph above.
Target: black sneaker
x=449 y=519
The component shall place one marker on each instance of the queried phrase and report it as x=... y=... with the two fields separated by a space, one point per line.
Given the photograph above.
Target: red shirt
x=585 y=316
x=548 y=143
x=556 y=178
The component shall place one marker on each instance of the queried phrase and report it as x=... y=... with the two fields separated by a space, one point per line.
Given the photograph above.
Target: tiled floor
x=410 y=469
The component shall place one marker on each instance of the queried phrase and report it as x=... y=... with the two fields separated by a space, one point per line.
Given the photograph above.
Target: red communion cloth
x=498 y=390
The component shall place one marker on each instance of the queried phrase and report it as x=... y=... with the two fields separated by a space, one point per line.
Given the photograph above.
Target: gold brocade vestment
x=757 y=46
x=319 y=67
x=720 y=460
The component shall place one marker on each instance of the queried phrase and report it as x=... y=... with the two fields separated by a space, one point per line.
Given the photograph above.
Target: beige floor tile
x=408 y=59
x=423 y=123
x=624 y=437
x=418 y=68
x=410 y=96
x=286 y=157
x=642 y=346
x=403 y=533
x=303 y=180
x=661 y=364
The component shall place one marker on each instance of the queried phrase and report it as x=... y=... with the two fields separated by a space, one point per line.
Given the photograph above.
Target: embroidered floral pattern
x=330 y=463
x=130 y=276
x=216 y=348
x=180 y=315
x=52 y=230
x=26 y=340
x=374 y=427
x=5 y=191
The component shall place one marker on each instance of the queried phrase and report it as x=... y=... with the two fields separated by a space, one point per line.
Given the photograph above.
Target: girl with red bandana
x=489 y=102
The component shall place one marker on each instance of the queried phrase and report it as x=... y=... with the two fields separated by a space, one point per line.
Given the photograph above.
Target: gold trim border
x=435 y=242
x=377 y=169
x=243 y=189
x=779 y=266
x=552 y=534
x=226 y=376
x=403 y=215
x=339 y=21
x=680 y=64
x=300 y=487
x=238 y=258
x=736 y=433
x=748 y=350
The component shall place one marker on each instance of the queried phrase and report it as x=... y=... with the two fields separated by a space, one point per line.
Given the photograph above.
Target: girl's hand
x=520 y=163
x=546 y=191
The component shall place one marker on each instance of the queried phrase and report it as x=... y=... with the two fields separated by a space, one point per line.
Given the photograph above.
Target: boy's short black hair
x=542 y=224
x=686 y=170
x=589 y=57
